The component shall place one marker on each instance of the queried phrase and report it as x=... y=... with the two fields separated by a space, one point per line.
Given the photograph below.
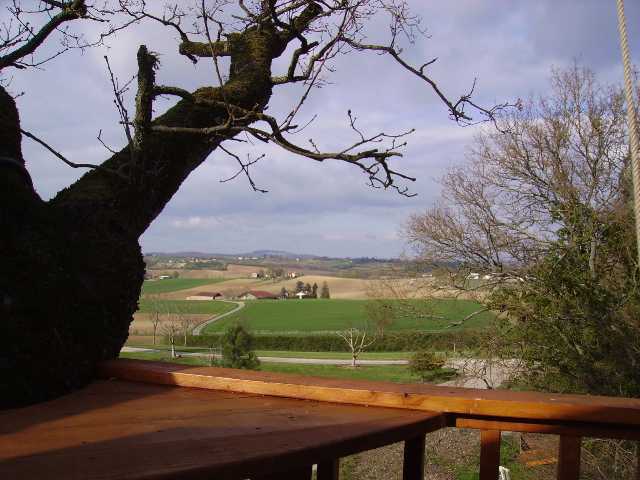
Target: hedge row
x=389 y=342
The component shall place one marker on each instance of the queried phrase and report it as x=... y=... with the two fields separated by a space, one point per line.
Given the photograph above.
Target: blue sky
x=326 y=209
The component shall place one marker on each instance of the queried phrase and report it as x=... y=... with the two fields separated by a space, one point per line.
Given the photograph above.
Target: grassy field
x=270 y=316
x=390 y=373
x=150 y=287
x=288 y=354
x=215 y=307
x=336 y=355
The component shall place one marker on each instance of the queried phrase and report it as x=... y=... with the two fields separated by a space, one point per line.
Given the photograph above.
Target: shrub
x=237 y=349
x=424 y=362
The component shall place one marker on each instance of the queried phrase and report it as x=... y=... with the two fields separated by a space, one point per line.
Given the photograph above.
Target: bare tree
x=501 y=211
x=98 y=219
x=541 y=215
x=186 y=324
x=155 y=315
x=357 y=340
x=172 y=328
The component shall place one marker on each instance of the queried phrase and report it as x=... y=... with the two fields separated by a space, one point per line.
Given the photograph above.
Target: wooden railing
x=572 y=417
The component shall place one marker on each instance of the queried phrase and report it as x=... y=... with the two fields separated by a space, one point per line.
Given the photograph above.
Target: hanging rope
x=631 y=117
x=632 y=121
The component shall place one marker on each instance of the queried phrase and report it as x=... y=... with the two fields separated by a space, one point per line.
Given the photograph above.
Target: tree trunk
x=72 y=269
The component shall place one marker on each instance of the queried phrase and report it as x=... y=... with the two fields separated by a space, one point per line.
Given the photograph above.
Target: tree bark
x=72 y=268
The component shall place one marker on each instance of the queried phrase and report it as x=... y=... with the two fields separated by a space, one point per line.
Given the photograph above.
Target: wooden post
x=302 y=473
x=489 y=454
x=413 y=466
x=329 y=470
x=569 y=458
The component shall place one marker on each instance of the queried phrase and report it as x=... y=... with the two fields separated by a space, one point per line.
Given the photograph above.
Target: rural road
x=472 y=372
x=300 y=361
x=198 y=329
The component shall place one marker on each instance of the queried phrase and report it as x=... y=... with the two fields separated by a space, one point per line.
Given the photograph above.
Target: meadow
x=389 y=373
x=308 y=316
x=153 y=287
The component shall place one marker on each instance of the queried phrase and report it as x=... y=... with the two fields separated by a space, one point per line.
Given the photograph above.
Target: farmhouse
x=205 y=296
x=257 y=295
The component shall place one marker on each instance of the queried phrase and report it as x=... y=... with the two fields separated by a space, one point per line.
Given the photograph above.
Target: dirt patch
x=445 y=449
x=340 y=288
x=140 y=339
x=141 y=324
x=201 y=273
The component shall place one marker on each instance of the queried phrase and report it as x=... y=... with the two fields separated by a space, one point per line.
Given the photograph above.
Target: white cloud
x=325 y=208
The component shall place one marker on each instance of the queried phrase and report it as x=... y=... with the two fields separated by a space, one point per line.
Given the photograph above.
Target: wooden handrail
x=579 y=412
x=491 y=411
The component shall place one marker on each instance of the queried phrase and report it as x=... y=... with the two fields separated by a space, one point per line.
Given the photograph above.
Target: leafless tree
x=501 y=211
x=155 y=316
x=357 y=340
x=172 y=328
x=186 y=324
x=98 y=219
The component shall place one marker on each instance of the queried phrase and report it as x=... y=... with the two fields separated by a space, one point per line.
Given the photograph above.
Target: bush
x=424 y=362
x=237 y=349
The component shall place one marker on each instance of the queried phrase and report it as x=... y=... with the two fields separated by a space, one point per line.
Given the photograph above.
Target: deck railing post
x=569 y=458
x=413 y=466
x=329 y=470
x=489 y=454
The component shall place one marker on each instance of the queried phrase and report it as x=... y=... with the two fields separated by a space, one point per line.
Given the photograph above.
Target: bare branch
x=457 y=109
x=64 y=159
x=244 y=168
x=70 y=11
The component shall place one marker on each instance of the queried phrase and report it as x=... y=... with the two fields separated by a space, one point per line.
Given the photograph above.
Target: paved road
x=472 y=372
x=300 y=361
x=198 y=329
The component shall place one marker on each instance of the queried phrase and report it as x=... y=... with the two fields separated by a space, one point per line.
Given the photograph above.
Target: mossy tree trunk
x=71 y=268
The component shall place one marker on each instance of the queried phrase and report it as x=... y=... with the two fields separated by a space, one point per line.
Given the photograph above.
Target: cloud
x=195 y=223
x=325 y=208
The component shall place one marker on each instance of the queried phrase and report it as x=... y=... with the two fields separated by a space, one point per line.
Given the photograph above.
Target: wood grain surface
x=127 y=430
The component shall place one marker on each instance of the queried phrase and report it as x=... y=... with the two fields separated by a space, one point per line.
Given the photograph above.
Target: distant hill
x=281 y=254
x=255 y=253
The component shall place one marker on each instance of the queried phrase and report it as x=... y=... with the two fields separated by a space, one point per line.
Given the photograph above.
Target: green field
x=389 y=373
x=150 y=287
x=335 y=355
x=289 y=354
x=268 y=316
x=215 y=307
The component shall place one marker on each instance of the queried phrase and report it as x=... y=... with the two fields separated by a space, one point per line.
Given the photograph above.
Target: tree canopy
x=538 y=225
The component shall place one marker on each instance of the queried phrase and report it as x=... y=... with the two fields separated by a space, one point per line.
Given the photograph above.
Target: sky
x=510 y=47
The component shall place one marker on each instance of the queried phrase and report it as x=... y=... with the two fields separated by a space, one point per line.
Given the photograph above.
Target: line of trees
x=309 y=291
